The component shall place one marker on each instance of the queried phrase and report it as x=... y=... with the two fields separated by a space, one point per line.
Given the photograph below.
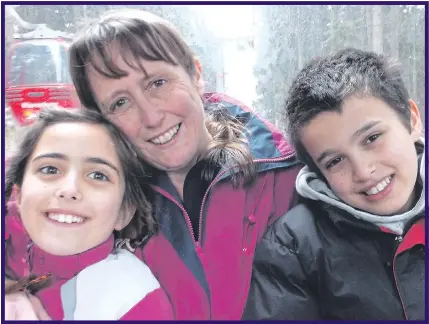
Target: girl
x=78 y=186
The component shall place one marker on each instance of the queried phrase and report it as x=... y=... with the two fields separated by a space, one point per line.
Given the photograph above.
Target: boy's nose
x=363 y=171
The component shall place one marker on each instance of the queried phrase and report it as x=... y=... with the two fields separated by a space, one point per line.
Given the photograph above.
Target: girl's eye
x=157 y=84
x=98 y=176
x=119 y=105
x=334 y=162
x=372 y=138
x=49 y=170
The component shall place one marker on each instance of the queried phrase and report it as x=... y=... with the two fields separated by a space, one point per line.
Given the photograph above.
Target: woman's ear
x=199 y=77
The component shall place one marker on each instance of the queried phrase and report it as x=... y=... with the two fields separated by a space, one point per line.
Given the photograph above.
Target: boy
x=354 y=250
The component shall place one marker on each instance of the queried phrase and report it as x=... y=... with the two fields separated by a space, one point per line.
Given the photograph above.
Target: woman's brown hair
x=149 y=37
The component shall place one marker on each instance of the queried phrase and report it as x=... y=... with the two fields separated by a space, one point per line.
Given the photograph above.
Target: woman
x=217 y=185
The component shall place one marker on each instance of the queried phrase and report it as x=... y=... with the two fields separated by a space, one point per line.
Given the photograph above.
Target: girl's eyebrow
x=98 y=160
x=90 y=159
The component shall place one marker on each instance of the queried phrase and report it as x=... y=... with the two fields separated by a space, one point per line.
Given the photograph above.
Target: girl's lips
x=65 y=217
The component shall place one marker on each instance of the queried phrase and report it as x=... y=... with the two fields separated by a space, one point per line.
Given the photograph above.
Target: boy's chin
x=386 y=209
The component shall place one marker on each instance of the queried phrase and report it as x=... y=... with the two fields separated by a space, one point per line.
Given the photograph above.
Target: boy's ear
x=199 y=77
x=415 y=121
x=125 y=216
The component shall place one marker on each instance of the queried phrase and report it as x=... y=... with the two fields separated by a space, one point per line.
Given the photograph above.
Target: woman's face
x=161 y=111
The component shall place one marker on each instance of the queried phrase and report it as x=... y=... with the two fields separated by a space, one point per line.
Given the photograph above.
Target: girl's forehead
x=77 y=140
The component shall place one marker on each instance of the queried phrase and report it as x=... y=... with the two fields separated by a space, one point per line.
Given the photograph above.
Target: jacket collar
x=66 y=267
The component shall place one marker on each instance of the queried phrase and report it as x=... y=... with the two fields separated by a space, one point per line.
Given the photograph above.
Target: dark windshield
x=33 y=63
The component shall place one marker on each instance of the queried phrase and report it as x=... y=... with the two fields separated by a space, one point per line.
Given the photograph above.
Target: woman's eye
x=119 y=105
x=372 y=138
x=98 y=176
x=49 y=170
x=157 y=84
x=334 y=162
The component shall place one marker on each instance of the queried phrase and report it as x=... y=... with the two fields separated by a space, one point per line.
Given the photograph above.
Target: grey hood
x=310 y=186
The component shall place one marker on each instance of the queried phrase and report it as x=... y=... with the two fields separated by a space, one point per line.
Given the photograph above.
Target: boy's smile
x=367 y=154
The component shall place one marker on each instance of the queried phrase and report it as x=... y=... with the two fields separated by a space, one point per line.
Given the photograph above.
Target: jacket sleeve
x=154 y=306
x=280 y=288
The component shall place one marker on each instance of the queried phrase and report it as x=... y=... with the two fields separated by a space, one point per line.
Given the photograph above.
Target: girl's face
x=71 y=197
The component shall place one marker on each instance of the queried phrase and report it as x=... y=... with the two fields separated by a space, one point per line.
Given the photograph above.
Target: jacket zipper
x=399 y=240
x=197 y=242
x=29 y=251
x=284 y=158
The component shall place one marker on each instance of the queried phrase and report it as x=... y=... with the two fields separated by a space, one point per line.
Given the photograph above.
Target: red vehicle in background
x=37 y=74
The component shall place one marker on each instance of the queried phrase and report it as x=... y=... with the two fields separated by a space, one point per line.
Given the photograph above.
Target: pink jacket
x=93 y=285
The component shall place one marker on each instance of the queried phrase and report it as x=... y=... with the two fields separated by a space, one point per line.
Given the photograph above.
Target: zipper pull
x=399 y=239
x=201 y=255
x=29 y=252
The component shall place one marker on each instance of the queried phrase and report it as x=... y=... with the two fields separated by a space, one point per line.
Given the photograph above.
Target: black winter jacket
x=330 y=265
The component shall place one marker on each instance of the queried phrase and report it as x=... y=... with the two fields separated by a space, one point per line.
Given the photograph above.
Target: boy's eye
x=334 y=162
x=49 y=170
x=372 y=138
x=98 y=176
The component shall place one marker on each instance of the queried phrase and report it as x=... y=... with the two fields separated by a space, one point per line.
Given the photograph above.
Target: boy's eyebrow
x=365 y=127
x=324 y=155
x=361 y=130
x=60 y=156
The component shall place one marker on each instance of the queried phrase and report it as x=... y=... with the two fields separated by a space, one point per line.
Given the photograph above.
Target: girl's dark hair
x=143 y=224
x=142 y=35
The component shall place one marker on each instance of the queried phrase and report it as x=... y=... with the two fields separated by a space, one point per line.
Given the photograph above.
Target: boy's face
x=366 y=154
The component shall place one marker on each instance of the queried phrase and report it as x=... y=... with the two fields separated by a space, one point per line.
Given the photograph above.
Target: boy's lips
x=381 y=194
x=377 y=186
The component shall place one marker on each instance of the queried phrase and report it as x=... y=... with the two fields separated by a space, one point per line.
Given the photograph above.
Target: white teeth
x=166 y=137
x=62 y=218
x=379 y=187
